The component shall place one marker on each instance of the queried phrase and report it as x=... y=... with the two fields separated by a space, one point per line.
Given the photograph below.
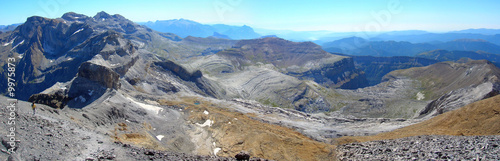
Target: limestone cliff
x=304 y=60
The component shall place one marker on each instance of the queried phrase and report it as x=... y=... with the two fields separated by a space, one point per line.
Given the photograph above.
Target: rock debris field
x=434 y=147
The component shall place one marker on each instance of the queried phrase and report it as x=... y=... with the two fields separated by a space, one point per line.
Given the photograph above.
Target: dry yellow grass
x=138 y=137
x=235 y=131
x=479 y=118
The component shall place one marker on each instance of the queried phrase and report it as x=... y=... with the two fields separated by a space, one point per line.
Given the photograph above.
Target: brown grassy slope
x=479 y=118
x=234 y=131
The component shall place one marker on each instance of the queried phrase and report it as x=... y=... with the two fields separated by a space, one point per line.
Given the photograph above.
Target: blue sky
x=298 y=15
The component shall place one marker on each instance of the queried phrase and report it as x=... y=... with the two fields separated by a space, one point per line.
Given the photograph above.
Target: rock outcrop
x=243 y=155
x=56 y=100
x=100 y=74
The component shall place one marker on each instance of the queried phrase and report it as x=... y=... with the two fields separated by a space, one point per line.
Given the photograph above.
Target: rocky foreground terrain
x=468 y=133
x=437 y=147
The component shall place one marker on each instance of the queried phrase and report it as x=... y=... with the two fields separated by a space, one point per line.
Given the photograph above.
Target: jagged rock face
x=55 y=48
x=59 y=48
x=41 y=44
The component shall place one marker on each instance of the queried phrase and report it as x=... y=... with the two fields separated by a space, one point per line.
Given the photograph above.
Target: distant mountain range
x=479 y=31
x=184 y=28
x=360 y=46
x=5 y=28
x=445 y=55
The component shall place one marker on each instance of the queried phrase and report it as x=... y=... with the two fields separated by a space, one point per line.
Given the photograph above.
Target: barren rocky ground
x=436 y=147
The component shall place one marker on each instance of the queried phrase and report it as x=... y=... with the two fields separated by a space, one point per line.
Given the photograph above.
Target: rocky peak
x=34 y=24
x=102 y=15
x=72 y=16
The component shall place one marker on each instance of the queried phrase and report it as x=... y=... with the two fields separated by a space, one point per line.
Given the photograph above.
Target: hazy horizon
x=294 y=15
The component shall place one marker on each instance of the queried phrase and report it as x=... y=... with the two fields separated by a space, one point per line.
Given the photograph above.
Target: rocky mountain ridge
x=362 y=47
x=185 y=28
x=445 y=55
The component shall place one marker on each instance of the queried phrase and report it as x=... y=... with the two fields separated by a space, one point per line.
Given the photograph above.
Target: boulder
x=243 y=155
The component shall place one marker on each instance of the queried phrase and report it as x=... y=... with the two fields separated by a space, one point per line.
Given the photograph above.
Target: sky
x=296 y=15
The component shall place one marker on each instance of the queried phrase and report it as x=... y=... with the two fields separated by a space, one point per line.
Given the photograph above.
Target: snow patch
x=10 y=42
x=69 y=59
x=420 y=96
x=20 y=56
x=77 y=31
x=159 y=137
x=17 y=45
x=216 y=150
x=205 y=112
x=155 y=109
x=206 y=123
